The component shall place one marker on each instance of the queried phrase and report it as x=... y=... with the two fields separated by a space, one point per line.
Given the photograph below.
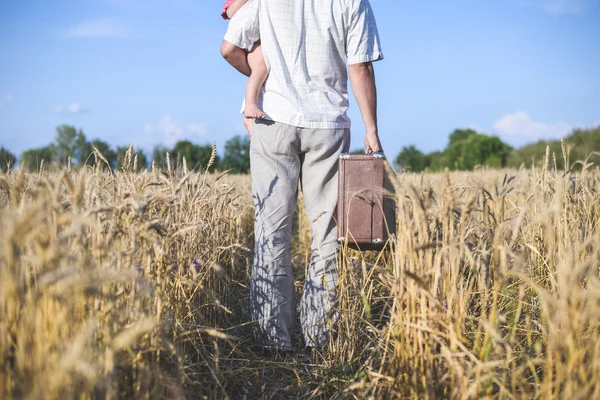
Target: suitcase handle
x=379 y=155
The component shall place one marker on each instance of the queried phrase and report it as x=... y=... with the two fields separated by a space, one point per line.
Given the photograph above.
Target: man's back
x=306 y=45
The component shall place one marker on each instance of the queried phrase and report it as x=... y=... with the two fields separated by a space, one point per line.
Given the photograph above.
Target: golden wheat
x=135 y=285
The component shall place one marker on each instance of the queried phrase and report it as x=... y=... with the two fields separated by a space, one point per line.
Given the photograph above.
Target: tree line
x=71 y=147
x=466 y=149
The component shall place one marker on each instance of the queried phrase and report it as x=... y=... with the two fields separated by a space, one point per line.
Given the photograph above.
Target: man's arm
x=236 y=57
x=362 y=79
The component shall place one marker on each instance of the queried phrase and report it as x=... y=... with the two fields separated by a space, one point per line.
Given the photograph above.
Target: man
x=306 y=45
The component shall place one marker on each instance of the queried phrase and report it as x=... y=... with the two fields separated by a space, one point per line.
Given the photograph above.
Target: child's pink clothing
x=225 y=7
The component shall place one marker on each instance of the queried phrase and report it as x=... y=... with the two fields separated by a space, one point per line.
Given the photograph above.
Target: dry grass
x=135 y=285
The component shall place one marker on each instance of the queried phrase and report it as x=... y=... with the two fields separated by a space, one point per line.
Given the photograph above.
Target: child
x=257 y=65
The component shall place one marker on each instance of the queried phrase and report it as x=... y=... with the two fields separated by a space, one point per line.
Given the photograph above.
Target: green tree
x=453 y=153
x=69 y=143
x=159 y=156
x=434 y=161
x=481 y=149
x=580 y=144
x=467 y=148
x=203 y=155
x=7 y=159
x=197 y=157
x=142 y=159
x=460 y=135
x=237 y=155
x=185 y=148
x=411 y=158
x=31 y=159
x=87 y=155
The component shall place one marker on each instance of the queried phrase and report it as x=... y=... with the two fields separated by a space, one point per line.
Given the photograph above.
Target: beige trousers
x=281 y=156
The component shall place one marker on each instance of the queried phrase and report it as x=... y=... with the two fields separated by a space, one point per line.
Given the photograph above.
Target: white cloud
x=520 y=128
x=98 y=28
x=71 y=109
x=558 y=6
x=5 y=100
x=171 y=131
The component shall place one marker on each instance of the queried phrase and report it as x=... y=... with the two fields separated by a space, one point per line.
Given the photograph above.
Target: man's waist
x=305 y=121
x=306 y=111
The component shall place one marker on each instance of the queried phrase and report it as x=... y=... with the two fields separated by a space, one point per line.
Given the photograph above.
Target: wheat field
x=135 y=285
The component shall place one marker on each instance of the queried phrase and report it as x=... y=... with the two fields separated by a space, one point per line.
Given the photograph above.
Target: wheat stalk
x=211 y=160
x=98 y=154
x=127 y=158
x=563 y=148
x=133 y=285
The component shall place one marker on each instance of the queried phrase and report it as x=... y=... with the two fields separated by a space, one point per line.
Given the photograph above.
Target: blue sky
x=148 y=72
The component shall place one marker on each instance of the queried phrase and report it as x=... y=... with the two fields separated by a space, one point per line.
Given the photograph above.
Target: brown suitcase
x=366 y=202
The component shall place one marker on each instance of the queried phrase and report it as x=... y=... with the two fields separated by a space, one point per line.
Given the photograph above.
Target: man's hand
x=372 y=143
x=362 y=79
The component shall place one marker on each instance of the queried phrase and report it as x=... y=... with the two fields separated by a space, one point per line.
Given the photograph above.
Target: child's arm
x=232 y=9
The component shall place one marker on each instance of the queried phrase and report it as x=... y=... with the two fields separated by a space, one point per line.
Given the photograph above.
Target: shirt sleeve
x=362 y=37
x=244 y=27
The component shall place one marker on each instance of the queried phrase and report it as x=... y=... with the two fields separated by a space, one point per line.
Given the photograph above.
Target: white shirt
x=306 y=45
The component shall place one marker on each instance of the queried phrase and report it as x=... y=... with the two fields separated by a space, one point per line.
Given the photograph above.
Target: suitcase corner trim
x=380 y=155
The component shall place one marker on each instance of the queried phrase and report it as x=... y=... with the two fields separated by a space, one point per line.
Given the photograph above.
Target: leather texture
x=366 y=209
